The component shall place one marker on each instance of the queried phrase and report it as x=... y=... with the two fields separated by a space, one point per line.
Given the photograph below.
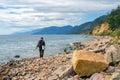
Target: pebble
x=35 y=68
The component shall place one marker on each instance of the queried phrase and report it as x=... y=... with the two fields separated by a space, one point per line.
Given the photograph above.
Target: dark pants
x=41 y=53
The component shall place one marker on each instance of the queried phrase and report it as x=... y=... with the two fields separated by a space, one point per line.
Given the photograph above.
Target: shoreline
x=41 y=68
x=26 y=49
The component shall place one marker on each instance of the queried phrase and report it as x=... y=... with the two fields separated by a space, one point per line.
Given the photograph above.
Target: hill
x=48 y=30
x=84 y=28
x=54 y=30
x=111 y=26
x=87 y=27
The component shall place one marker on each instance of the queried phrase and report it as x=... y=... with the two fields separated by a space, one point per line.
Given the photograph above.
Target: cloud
x=4 y=31
x=42 y=13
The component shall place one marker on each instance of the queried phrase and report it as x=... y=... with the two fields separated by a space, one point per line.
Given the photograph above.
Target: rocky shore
x=34 y=68
x=61 y=67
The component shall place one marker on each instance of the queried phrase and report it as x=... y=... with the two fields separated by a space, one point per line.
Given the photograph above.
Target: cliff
x=102 y=29
x=111 y=26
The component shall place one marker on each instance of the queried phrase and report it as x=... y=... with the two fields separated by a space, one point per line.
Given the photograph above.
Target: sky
x=22 y=15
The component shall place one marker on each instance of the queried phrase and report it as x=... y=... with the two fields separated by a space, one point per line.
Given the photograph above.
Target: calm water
x=24 y=45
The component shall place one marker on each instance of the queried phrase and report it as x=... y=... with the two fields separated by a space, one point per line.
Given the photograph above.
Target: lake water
x=24 y=45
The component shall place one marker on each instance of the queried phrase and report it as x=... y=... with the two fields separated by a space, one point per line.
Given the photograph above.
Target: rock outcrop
x=86 y=63
x=101 y=29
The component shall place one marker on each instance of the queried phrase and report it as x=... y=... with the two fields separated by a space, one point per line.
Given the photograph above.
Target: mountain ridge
x=84 y=28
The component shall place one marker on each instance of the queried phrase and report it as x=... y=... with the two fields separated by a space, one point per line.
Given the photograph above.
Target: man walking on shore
x=41 y=45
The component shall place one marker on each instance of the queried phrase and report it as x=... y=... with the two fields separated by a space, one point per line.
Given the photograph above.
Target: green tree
x=114 y=18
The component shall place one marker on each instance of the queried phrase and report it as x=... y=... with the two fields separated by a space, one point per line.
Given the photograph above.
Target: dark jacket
x=40 y=44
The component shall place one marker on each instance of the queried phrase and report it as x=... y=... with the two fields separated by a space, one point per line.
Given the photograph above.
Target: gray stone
x=115 y=76
x=110 y=69
x=112 y=53
x=14 y=74
x=97 y=76
x=116 y=79
x=91 y=78
x=11 y=64
x=1 y=69
x=24 y=73
x=74 y=78
x=17 y=56
x=61 y=72
x=6 y=78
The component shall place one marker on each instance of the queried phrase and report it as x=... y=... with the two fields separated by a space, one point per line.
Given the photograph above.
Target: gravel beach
x=34 y=68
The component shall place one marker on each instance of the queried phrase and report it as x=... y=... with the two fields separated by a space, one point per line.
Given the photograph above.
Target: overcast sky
x=21 y=15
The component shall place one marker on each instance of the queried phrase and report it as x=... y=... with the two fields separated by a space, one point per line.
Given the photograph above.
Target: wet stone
x=17 y=56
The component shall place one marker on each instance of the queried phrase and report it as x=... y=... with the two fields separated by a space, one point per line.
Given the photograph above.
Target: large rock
x=86 y=63
x=112 y=53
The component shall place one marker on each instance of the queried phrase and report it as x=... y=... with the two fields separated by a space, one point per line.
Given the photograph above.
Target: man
x=41 y=45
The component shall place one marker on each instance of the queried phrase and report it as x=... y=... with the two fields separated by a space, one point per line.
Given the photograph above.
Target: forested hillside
x=113 y=24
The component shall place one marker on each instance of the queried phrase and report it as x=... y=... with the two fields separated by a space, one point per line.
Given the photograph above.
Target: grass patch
x=116 y=32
